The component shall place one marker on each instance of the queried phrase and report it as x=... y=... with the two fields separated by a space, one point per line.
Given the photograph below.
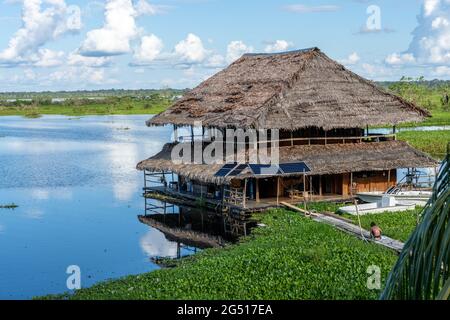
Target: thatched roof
x=321 y=159
x=290 y=90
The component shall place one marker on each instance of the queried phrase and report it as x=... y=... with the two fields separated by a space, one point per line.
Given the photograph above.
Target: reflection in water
x=78 y=192
x=154 y=244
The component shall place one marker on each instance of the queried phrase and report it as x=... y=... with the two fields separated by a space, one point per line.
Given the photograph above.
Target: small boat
x=386 y=204
x=413 y=195
x=410 y=188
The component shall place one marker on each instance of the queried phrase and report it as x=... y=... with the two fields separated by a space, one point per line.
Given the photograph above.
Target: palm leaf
x=422 y=270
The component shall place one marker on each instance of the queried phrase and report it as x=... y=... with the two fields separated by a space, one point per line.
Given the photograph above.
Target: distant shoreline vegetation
x=78 y=103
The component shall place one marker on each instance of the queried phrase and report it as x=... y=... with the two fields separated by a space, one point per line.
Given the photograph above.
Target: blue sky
x=93 y=44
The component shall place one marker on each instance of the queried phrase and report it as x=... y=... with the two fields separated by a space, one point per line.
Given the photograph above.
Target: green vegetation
x=8 y=206
x=426 y=94
x=432 y=142
x=292 y=257
x=396 y=225
x=87 y=103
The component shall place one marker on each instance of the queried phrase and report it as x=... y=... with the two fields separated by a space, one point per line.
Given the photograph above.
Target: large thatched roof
x=289 y=90
x=321 y=159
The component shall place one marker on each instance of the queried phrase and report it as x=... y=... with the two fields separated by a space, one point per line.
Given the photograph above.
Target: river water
x=79 y=195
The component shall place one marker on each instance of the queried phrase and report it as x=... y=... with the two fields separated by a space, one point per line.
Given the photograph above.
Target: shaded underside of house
x=289 y=91
x=321 y=160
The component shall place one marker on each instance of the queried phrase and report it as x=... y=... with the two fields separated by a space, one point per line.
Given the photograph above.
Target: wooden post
x=320 y=186
x=257 y=190
x=245 y=194
x=389 y=178
x=304 y=191
x=278 y=191
x=292 y=139
x=310 y=186
x=175 y=133
x=351 y=184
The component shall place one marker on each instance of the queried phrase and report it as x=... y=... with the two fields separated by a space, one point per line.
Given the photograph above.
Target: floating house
x=321 y=112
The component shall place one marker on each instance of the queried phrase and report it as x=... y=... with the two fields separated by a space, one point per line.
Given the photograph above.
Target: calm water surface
x=79 y=195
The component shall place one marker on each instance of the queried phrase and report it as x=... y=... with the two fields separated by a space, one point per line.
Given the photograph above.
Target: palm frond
x=422 y=270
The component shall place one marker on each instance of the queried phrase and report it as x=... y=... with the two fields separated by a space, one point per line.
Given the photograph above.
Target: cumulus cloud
x=431 y=38
x=400 y=59
x=48 y=58
x=149 y=49
x=191 y=50
x=352 y=59
x=42 y=21
x=278 y=46
x=75 y=59
x=119 y=29
x=236 y=49
x=115 y=35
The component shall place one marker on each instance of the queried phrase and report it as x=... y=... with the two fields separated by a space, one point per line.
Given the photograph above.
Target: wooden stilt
x=320 y=186
x=389 y=178
x=278 y=191
x=351 y=184
x=244 y=201
x=257 y=189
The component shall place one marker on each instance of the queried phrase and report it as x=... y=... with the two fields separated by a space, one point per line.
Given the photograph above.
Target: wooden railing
x=311 y=140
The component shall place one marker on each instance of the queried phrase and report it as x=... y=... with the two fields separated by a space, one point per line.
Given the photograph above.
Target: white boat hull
x=374 y=208
x=421 y=196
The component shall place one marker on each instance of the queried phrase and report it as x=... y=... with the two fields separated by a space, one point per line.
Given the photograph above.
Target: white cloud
x=149 y=49
x=236 y=49
x=42 y=21
x=278 y=46
x=75 y=59
x=352 y=59
x=191 y=50
x=431 y=38
x=301 y=8
x=142 y=7
x=442 y=71
x=115 y=35
x=48 y=58
x=215 y=61
x=400 y=59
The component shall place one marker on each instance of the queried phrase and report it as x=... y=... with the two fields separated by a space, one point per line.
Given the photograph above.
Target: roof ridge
x=282 y=52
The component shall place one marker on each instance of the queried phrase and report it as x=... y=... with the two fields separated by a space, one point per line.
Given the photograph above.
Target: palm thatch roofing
x=289 y=90
x=321 y=159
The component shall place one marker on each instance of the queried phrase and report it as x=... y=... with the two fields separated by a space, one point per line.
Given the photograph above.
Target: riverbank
x=117 y=106
x=292 y=257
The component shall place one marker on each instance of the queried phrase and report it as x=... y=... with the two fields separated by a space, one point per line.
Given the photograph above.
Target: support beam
x=244 y=201
x=351 y=184
x=320 y=186
x=389 y=178
x=257 y=190
x=278 y=191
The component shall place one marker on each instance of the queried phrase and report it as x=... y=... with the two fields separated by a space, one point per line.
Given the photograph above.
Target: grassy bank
x=431 y=142
x=398 y=225
x=81 y=107
x=291 y=258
